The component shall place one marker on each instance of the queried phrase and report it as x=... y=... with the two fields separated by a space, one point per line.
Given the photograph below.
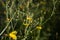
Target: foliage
x=32 y=19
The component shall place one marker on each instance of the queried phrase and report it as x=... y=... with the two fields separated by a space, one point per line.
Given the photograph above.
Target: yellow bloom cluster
x=26 y=24
x=29 y=18
x=39 y=27
x=13 y=35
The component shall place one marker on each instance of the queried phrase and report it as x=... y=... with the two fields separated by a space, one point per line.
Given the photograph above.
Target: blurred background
x=31 y=13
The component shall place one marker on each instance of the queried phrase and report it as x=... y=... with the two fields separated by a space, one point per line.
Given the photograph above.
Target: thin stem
x=54 y=3
x=7 y=25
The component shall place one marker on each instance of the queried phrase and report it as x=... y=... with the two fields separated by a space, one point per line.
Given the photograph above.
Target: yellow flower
x=29 y=18
x=13 y=35
x=26 y=24
x=39 y=27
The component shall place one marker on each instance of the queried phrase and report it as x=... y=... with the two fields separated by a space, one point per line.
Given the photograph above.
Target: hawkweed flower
x=29 y=19
x=13 y=35
x=26 y=24
x=39 y=27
